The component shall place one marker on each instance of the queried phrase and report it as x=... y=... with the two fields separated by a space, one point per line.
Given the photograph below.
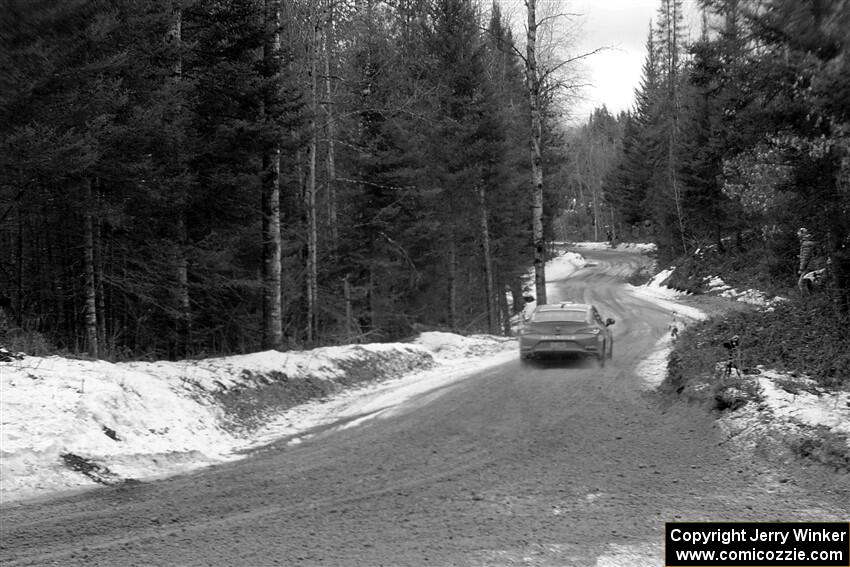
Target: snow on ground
x=656 y=292
x=450 y=348
x=53 y=406
x=717 y=286
x=560 y=268
x=653 y=369
x=325 y=363
x=787 y=408
x=630 y=246
x=632 y=555
x=147 y=419
x=812 y=407
x=557 y=269
x=563 y=266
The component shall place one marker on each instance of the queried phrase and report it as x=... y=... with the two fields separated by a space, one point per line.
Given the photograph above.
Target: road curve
x=550 y=464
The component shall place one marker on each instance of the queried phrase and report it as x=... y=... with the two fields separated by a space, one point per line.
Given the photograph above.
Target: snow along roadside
x=786 y=409
x=70 y=424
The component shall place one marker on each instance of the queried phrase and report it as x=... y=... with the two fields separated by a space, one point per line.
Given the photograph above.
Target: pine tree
x=669 y=40
x=509 y=168
x=62 y=112
x=629 y=182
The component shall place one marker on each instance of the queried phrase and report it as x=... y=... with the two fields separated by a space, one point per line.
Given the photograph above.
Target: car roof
x=566 y=306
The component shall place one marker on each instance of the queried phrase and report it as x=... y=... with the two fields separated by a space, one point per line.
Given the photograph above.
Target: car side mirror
x=609 y=322
x=528 y=298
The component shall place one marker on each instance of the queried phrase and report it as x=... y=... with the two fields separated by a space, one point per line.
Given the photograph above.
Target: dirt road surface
x=553 y=464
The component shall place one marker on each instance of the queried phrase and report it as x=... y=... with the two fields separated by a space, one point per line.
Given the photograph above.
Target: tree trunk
x=533 y=85
x=19 y=287
x=490 y=292
x=310 y=198
x=674 y=183
x=272 y=308
x=349 y=312
x=272 y=301
x=452 y=284
x=331 y=131
x=181 y=261
x=503 y=306
x=101 y=297
x=88 y=266
x=373 y=300
x=672 y=7
x=591 y=177
x=184 y=328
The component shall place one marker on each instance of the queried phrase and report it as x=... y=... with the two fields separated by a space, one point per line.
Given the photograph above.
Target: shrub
x=803 y=336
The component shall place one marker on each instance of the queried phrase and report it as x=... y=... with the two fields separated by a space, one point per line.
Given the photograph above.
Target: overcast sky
x=620 y=26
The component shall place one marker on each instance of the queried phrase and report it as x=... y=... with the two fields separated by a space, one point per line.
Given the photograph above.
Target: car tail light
x=589 y=331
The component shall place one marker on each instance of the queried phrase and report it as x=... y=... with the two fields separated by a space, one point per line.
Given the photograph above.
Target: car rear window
x=559 y=315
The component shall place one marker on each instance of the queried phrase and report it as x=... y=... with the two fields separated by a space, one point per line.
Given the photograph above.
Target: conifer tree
x=629 y=182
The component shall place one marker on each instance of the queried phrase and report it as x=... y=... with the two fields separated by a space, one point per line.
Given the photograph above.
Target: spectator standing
x=807 y=273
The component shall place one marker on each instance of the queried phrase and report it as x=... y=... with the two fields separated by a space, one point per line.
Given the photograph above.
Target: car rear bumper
x=584 y=345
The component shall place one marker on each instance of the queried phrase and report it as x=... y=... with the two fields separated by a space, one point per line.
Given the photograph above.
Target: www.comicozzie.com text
x=745 y=555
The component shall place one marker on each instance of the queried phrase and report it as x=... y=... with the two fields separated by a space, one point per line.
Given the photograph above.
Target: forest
x=737 y=140
x=200 y=177
x=746 y=136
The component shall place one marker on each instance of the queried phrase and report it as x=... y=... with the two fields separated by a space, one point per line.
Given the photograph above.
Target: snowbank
x=61 y=417
x=717 y=286
x=100 y=411
x=557 y=269
x=562 y=266
x=326 y=363
x=714 y=285
x=787 y=417
x=630 y=246
x=652 y=369
x=449 y=347
x=810 y=405
x=657 y=292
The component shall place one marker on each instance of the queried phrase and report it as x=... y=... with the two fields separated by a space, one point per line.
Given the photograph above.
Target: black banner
x=757 y=544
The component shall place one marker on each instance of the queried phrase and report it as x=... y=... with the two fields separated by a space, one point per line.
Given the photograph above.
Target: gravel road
x=552 y=464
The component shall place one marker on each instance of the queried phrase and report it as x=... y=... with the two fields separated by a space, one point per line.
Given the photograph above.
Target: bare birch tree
x=272 y=307
x=543 y=82
x=534 y=91
x=89 y=268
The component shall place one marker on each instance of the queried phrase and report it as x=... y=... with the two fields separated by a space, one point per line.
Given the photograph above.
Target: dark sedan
x=566 y=329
